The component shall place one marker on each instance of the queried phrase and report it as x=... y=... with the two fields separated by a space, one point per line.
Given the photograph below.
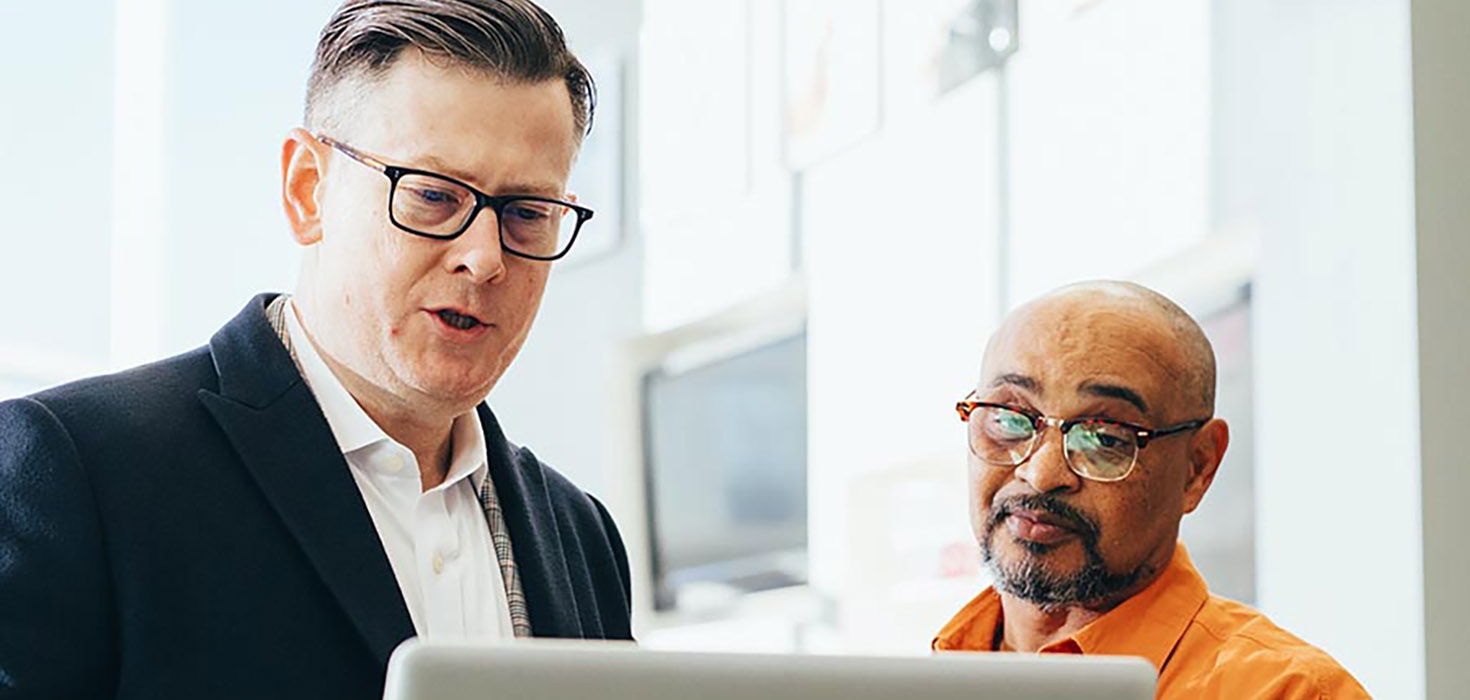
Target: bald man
x=1091 y=434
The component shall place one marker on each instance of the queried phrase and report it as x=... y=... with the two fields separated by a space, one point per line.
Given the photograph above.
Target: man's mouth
x=1042 y=520
x=458 y=320
x=1041 y=517
x=1039 y=527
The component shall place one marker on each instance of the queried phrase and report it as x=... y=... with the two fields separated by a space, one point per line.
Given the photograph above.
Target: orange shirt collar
x=1148 y=625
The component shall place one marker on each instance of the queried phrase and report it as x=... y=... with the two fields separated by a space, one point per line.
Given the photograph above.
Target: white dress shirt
x=437 y=540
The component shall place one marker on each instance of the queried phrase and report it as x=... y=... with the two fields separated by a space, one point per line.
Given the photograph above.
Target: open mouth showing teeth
x=459 y=321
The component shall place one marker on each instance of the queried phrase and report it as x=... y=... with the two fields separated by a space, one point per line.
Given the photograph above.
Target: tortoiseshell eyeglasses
x=1099 y=449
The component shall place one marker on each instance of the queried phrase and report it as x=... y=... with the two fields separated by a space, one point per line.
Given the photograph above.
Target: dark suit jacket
x=188 y=529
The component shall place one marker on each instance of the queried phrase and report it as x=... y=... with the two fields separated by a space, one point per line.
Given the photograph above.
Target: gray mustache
x=1073 y=518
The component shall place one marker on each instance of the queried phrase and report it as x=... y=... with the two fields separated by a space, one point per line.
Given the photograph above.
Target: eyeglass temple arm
x=1145 y=435
x=353 y=153
x=965 y=407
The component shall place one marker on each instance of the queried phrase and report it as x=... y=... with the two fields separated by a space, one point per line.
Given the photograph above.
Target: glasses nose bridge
x=1042 y=422
x=489 y=201
x=1046 y=476
x=1038 y=438
x=483 y=203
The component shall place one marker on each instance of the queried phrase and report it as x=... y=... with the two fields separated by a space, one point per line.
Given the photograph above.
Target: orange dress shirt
x=1204 y=646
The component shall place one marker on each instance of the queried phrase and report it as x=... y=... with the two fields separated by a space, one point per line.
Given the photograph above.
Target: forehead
x=1064 y=346
x=491 y=132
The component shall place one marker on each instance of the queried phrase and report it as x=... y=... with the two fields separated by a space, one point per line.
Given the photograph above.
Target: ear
x=302 y=162
x=1206 y=450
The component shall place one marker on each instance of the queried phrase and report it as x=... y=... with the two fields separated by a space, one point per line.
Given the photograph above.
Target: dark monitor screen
x=725 y=460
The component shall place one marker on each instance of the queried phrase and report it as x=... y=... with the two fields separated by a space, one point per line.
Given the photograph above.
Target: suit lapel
x=534 y=535
x=277 y=428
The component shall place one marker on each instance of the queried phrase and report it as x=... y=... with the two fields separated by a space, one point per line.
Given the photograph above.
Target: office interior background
x=810 y=216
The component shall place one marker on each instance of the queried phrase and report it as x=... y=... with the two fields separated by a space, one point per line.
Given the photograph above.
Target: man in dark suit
x=243 y=520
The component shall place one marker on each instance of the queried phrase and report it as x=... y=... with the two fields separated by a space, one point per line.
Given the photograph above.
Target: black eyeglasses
x=436 y=206
x=1095 y=448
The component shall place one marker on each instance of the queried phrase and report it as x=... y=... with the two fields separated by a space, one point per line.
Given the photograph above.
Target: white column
x=1314 y=153
x=139 y=191
x=1441 y=60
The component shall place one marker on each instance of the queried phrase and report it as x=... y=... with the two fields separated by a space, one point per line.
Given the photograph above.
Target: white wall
x=1109 y=124
x=148 y=210
x=56 y=191
x=1442 y=150
x=1312 y=153
x=901 y=275
x=715 y=212
x=235 y=83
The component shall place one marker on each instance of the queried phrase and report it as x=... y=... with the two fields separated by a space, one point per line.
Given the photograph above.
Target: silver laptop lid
x=565 y=670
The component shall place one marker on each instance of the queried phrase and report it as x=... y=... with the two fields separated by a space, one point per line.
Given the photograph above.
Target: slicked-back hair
x=513 y=40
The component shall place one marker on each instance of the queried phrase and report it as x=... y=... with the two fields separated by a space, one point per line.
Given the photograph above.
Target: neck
x=428 y=434
x=1028 y=626
x=425 y=431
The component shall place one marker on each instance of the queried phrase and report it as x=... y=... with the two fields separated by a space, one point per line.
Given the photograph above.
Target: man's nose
x=477 y=252
x=1047 y=470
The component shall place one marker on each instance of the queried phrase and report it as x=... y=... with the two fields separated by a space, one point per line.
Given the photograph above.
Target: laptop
x=568 y=670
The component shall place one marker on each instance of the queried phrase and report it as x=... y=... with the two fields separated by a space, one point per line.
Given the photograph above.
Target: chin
x=1049 y=565
x=465 y=389
x=450 y=382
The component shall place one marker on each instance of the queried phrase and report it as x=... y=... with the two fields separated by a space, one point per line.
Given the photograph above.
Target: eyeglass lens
x=438 y=207
x=1098 y=449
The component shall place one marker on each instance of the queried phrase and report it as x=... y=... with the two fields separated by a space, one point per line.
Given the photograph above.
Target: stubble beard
x=1028 y=577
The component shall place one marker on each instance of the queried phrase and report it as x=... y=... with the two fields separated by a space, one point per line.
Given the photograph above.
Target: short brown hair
x=511 y=39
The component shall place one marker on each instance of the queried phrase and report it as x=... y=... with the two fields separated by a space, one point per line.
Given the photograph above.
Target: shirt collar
x=1151 y=622
x=973 y=627
x=470 y=460
x=354 y=430
x=1148 y=625
x=350 y=425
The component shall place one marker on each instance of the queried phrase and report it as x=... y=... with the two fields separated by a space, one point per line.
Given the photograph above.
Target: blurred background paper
x=832 y=92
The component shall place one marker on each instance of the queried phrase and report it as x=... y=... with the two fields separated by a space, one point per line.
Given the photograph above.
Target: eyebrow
x=1019 y=380
x=435 y=165
x=1113 y=391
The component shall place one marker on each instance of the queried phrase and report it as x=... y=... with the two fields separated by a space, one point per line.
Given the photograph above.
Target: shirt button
x=438 y=562
x=394 y=463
